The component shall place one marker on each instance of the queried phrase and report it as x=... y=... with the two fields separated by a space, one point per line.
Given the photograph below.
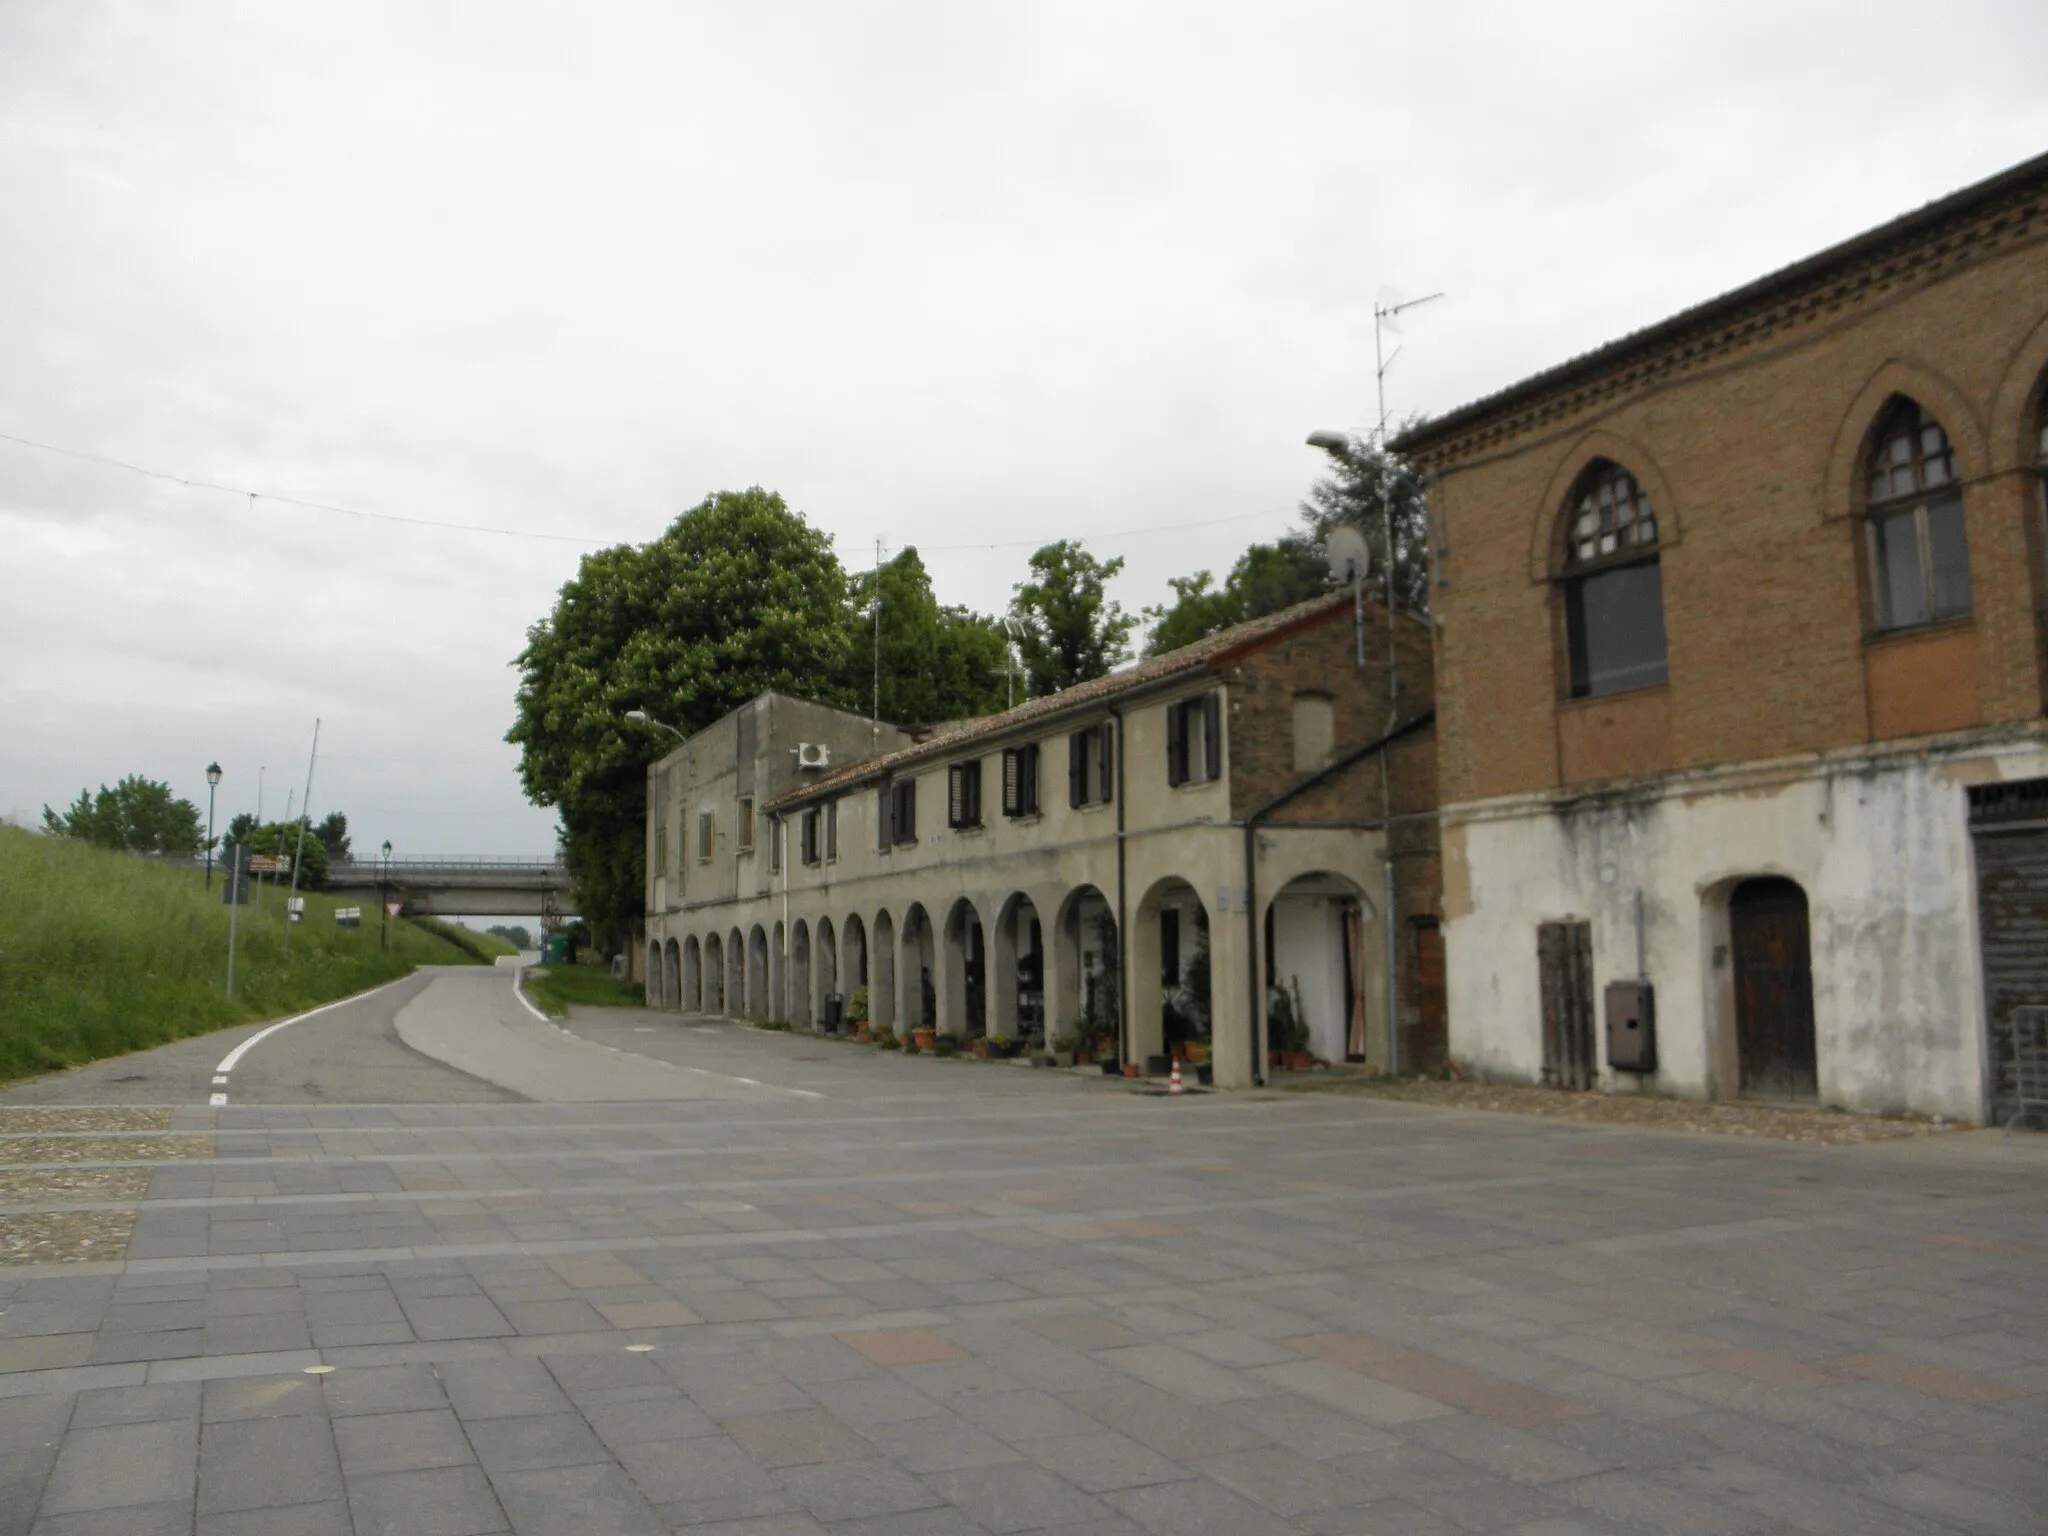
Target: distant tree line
x=143 y=815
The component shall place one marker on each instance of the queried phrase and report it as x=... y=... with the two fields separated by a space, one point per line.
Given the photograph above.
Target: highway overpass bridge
x=457 y=887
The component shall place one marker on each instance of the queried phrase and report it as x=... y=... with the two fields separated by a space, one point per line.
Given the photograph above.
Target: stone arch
x=853 y=960
x=1551 y=517
x=964 y=1006
x=1171 y=1005
x=2016 y=408
x=778 y=982
x=1088 y=965
x=736 y=974
x=654 y=976
x=917 y=983
x=1843 y=492
x=714 y=973
x=1017 y=971
x=825 y=959
x=1318 y=958
x=757 y=973
x=672 y=975
x=693 y=976
x=882 y=990
x=800 y=973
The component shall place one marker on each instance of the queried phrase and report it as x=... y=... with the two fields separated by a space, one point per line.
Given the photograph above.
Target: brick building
x=1741 y=679
x=1146 y=859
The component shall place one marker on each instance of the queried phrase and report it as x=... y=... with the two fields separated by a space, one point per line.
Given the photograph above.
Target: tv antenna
x=1381 y=314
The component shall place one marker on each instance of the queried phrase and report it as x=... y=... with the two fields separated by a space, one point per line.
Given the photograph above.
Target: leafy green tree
x=514 y=934
x=739 y=595
x=1266 y=578
x=1365 y=485
x=1070 y=630
x=333 y=835
x=283 y=837
x=138 y=815
x=938 y=663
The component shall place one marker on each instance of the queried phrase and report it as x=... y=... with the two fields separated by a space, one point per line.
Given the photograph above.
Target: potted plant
x=1066 y=1048
x=888 y=1041
x=924 y=1037
x=857 y=1014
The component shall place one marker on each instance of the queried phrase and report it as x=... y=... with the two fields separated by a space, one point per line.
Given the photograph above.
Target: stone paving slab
x=979 y=1302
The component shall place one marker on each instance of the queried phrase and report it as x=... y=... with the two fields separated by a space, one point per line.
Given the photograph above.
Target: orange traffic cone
x=1173 y=1086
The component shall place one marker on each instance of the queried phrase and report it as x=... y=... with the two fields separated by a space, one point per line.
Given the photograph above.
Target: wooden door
x=1773 y=990
x=1564 y=956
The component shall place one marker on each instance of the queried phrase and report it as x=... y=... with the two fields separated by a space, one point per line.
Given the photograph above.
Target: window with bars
x=707 y=839
x=1020 y=780
x=775 y=835
x=810 y=839
x=746 y=824
x=963 y=795
x=1613 y=585
x=1091 y=764
x=661 y=850
x=1919 y=551
x=1194 y=739
x=831 y=812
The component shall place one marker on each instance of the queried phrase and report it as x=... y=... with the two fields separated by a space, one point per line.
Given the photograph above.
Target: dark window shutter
x=831 y=831
x=1077 y=768
x=1212 y=735
x=1013 y=781
x=1176 y=744
x=970 y=787
x=1027 y=780
x=1105 y=762
x=905 y=829
x=956 y=795
x=883 y=835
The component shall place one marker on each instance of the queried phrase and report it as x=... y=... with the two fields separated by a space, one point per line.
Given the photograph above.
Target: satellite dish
x=1347 y=555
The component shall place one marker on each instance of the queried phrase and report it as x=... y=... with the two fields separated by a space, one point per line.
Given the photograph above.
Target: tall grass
x=101 y=954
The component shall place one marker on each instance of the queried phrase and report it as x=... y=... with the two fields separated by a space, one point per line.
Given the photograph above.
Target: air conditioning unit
x=813 y=754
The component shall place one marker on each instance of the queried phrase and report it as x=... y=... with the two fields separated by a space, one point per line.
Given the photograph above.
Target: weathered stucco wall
x=1879 y=842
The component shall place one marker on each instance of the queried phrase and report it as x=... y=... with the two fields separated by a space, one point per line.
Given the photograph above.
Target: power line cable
x=585 y=540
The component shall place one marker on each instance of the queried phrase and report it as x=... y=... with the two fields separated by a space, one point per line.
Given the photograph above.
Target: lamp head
x=213 y=773
x=638 y=716
x=387 y=847
x=1330 y=442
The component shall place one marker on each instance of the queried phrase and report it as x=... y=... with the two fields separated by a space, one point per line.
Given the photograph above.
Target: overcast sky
x=966 y=276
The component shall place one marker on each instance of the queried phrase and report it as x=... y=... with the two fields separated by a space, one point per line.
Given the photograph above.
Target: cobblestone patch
x=31 y=1119
x=1772 y=1122
x=65 y=1237
x=29 y=1150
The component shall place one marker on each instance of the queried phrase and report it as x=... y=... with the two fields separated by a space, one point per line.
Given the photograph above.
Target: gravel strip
x=65 y=1237
x=1773 y=1122
x=68 y=1186
x=103 y=1149
x=29 y=1119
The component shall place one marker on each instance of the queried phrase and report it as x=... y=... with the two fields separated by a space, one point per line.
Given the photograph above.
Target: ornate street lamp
x=212 y=783
x=384 y=900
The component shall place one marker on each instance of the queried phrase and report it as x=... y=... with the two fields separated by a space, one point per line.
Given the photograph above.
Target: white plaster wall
x=1308 y=953
x=1881 y=847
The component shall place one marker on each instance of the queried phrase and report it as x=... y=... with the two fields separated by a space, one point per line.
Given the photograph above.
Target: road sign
x=348 y=917
x=270 y=863
x=297 y=907
x=392 y=908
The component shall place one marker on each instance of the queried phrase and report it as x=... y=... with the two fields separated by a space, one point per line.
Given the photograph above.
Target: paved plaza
x=797 y=1286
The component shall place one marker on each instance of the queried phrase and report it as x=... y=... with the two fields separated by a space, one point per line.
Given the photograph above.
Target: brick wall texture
x=1750 y=440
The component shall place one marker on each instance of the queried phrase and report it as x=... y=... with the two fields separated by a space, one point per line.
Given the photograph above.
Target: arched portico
x=1319 y=960
x=1171 y=999
x=736 y=974
x=963 y=997
x=654 y=978
x=778 y=1004
x=692 y=1000
x=714 y=974
x=1086 y=971
x=827 y=967
x=917 y=986
x=800 y=974
x=757 y=973
x=1016 y=998
x=672 y=975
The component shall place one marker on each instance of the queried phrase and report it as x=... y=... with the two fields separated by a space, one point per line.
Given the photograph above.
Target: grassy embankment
x=554 y=987
x=101 y=954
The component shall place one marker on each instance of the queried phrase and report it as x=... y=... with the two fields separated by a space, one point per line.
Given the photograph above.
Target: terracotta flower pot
x=1130 y=1069
x=925 y=1038
x=1300 y=1061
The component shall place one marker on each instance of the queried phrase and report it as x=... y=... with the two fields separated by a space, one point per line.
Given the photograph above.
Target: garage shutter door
x=2010 y=822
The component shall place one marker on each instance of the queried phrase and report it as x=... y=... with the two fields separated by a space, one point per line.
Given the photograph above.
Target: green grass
x=101 y=954
x=554 y=988
x=485 y=947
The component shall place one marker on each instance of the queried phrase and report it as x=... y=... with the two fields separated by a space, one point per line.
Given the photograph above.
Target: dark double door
x=1769 y=939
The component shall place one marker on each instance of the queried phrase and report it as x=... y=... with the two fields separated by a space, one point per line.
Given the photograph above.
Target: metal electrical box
x=1631 y=1026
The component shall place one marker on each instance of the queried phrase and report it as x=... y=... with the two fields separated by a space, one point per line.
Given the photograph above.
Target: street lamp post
x=384 y=900
x=212 y=783
x=641 y=717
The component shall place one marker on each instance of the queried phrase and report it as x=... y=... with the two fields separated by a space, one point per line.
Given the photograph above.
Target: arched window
x=1919 y=554
x=1613 y=585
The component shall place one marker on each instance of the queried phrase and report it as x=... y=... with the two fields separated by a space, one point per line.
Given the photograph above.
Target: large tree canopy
x=1069 y=630
x=937 y=663
x=738 y=596
x=139 y=815
x=1364 y=485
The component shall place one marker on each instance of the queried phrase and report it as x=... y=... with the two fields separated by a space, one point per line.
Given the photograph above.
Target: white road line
x=229 y=1061
x=519 y=991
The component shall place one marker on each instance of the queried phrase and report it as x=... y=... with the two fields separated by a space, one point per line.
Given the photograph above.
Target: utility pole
x=875 y=720
x=299 y=857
